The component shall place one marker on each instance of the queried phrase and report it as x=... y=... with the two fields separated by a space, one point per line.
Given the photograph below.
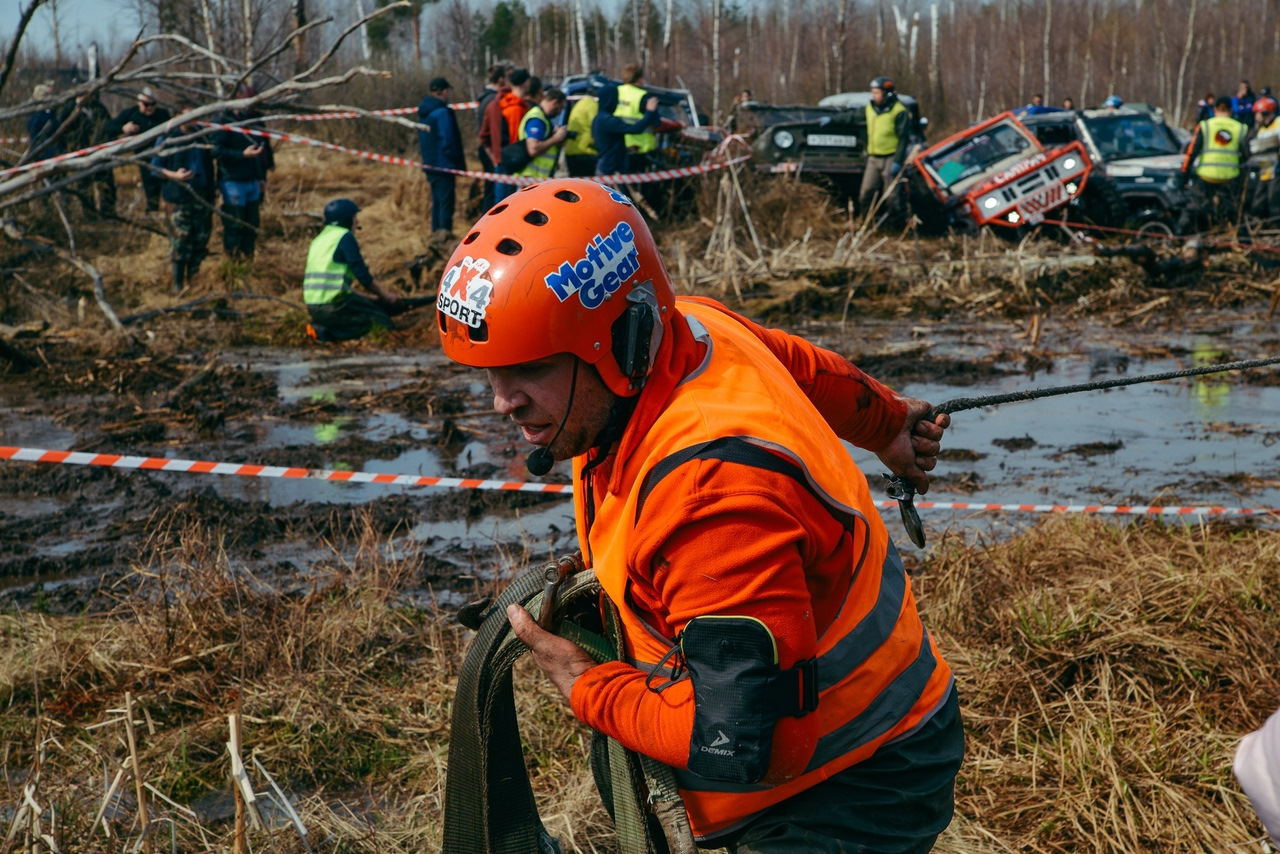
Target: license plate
x=1034 y=208
x=833 y=140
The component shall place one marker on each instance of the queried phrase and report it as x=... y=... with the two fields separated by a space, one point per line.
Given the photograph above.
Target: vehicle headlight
x=990 y=203
x=1070 y=163
x=1014 y=218
x=783 y=139
x=1072 y=187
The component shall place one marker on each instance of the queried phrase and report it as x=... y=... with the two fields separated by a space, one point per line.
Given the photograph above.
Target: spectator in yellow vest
x=580 y=150
x=1214 y=156
x=631 y=99
x=888 y=131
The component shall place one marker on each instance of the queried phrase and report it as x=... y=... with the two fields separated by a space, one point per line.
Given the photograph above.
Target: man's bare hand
x=915 y=449
x=561 y=659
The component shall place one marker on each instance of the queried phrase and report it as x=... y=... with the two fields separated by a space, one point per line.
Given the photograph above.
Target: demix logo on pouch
x=607 y=263
x=465 y=291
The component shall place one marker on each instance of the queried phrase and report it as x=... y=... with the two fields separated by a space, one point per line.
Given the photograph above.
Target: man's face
x=146 y=105
x=535 y=395
x=877 y=95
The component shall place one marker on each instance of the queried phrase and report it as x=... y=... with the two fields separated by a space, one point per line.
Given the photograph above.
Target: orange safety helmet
x=562 y=266
x=1264 y=104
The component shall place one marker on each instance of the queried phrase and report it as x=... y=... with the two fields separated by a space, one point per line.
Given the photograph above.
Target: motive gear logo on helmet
x=884 y=84
x=572 y=268
x=464 y=292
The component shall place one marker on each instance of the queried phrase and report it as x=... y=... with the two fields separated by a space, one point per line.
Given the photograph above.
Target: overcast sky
x=80 y=22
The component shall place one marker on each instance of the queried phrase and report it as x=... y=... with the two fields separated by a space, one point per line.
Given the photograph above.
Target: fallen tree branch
x=15 y=233
x=195 y=304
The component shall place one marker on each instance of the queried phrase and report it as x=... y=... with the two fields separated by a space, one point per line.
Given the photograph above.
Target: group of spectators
x=523 y=129
x=186 y=179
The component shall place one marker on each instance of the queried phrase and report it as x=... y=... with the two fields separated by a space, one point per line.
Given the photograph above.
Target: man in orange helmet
x=771 y=649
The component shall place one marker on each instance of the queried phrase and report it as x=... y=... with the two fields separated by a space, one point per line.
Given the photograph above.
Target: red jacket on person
x=493 y=127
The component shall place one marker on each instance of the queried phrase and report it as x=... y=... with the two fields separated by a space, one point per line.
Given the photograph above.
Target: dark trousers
x=354 y=317
x=580 y=165
x=1210 y=204
x=240 y=229
x=152 y=182
x=442 y=200
x=486 y=163
x=896 y=802
x=190 y=224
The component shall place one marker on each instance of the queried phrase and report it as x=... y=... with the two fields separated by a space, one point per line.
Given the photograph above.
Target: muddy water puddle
x=1202 y=441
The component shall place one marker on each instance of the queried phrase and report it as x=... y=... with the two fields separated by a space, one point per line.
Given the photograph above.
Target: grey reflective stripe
x=885 y=712
x=852 y=650
x=330 y=277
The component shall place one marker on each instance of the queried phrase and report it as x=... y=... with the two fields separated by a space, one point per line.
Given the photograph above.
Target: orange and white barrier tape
x=496 y=177
x=120 y=461
x=13 y=140
x=26 y=167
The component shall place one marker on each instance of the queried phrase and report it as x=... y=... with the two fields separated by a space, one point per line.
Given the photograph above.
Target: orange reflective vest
x=879 y=673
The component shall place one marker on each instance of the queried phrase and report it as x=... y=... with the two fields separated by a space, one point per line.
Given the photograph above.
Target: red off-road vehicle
x=994 y=173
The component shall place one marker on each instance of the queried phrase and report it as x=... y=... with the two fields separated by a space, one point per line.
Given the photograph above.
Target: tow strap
x=489 y=801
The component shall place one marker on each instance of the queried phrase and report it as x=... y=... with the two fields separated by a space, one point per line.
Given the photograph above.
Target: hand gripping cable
x=900 y=489
x=489 y=802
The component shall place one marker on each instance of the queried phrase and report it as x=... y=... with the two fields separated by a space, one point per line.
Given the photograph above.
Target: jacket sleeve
x=736 y=546
x=450 y=140
x=859 y=409
x=902 y=127
x=348 y=252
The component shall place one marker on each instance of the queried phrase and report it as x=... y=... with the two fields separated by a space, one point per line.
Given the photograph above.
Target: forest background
x=965 y=59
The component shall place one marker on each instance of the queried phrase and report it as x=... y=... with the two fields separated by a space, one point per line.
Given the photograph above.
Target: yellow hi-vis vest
x=325 y=280
x=544 y=165
x=580 y=118
x=631 y=106
x=882 y=132
x=1219 y=159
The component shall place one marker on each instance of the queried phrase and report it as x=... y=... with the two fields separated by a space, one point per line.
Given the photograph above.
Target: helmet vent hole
x=568 y=196
x=499 y=209
x=507 y=246
x=471 y=238
x=536 y=218
x=481 y=332
x=441 y=321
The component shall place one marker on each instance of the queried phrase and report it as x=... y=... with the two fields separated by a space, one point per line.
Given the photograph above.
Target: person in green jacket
x=333 y=263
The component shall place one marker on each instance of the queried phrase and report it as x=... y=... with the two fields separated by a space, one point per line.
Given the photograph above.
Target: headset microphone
x=540 y=461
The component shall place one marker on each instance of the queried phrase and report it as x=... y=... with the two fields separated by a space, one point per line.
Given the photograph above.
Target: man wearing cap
x=333 y=263
x=141 y=117
x=441 y=145
x=888 y=133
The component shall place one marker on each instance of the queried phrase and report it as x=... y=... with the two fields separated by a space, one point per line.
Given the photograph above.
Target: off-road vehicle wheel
x=1100 y=204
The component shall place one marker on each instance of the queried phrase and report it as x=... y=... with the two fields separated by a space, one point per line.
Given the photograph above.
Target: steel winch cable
x=900 y=489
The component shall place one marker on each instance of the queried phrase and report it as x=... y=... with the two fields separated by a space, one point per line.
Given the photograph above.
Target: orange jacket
x=513 y=108
x=805 y=553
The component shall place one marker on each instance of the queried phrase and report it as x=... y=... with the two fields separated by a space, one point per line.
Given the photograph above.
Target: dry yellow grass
x=1105 y=671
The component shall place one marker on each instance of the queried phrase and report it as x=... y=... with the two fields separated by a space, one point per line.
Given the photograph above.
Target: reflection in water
x=1208 y=392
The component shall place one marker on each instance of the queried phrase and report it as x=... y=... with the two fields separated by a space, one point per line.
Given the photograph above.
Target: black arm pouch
x=739 y=692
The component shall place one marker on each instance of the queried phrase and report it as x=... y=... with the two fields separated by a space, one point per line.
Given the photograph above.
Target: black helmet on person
x=340 y=212
x=884 y=84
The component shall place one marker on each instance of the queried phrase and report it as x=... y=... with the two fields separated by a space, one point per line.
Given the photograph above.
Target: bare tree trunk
x=666 y=38
x=913 y=42
x=935 y=80
x=300 y=39
x=1048 y=31
x=1115 y=51
x=644 y=34
x=416 y=25
x=837 y=49
x=364 y=33
x=1182 y=67
x=247 y=9
x=716 y=9
x=1090 y=14
x=582 y=37
x=1021 y=94
x=57 y=41
x=795 y=49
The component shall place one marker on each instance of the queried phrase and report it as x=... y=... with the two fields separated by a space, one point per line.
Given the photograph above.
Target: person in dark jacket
x=189 y=183
x=333 y=263
x=42 y=124
x=493 y=88
x=243 y=163
x=611 y=131
x=1242 y=104
x=441 y=146
x=140 y=118
x=89 y=121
